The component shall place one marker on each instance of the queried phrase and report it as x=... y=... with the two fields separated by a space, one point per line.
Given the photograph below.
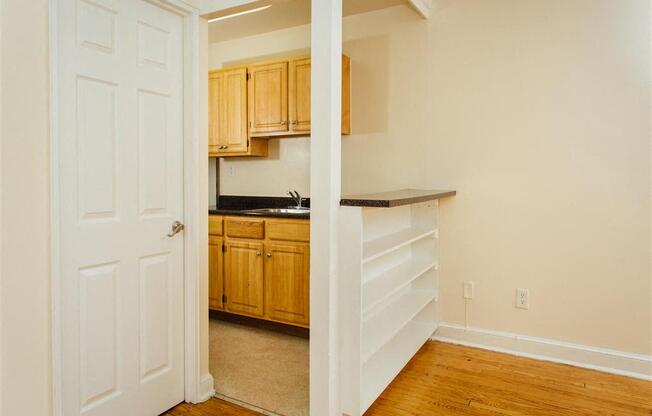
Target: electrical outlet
x=522 y=298
x=231 y=170
x=468 y=290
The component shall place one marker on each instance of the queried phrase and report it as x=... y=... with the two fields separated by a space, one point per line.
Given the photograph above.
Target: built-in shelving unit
x=389 y=292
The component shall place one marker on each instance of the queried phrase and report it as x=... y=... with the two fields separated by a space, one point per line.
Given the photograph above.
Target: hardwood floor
x=444 y=379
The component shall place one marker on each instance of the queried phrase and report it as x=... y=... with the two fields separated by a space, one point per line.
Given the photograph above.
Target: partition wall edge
x=325 y=190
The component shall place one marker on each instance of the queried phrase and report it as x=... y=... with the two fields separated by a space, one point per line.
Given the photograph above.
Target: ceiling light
x=228 y=16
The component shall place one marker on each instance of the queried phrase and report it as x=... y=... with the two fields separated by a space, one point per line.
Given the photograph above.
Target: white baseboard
x=601 y=359
x=206 y=390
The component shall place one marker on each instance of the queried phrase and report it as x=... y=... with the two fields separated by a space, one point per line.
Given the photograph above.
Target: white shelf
x=383 y=326
x=384 y=285
x=373 y=249
x=378 y=372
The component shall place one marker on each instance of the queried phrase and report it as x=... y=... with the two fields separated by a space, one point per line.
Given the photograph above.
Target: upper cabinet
x=249 y=104
x=227 y=115
x=300 y=95
x=268 y=99
x=299 y=87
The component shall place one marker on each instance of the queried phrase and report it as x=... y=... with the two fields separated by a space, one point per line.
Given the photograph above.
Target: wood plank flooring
x=445 y=379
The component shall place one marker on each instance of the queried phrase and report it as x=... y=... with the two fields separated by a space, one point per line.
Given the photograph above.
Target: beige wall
x=538 y=113
x=25 y=209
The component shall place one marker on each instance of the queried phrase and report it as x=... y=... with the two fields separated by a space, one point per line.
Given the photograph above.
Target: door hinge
x=223 y=248
x=248 y=76
x=223 y=298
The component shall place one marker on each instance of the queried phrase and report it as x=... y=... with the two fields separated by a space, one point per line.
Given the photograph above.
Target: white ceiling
x=284 y=14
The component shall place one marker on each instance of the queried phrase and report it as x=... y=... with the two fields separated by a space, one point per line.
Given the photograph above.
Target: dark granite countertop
x=394 y=198
x=240 y=205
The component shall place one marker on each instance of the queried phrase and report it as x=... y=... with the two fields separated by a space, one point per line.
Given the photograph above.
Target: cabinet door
x=215 y=110
x=215 y=273
x=234 y=135
x=243 y=277
x=268 y=98
x=287 y=282
x=299 y=101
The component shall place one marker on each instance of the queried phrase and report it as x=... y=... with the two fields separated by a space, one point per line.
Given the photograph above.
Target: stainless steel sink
x=297 y=211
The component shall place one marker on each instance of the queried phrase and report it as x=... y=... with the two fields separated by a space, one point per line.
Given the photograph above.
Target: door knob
x=258 y=253
x=177 y=227
x=269 y=254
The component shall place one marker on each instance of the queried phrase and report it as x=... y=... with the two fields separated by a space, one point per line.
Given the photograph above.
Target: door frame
x=195 y=150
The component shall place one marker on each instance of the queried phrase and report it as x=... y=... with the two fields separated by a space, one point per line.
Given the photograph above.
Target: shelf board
x=384 y=285
x=381 y=369
x=378 y=247
x=383 y=326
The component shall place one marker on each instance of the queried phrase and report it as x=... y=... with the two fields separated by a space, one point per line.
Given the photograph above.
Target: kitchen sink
x=297 y=211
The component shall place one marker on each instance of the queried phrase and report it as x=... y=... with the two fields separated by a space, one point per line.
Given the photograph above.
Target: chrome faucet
x=296 y=197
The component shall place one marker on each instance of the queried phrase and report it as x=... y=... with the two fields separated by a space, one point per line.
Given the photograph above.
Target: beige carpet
x=260 y=367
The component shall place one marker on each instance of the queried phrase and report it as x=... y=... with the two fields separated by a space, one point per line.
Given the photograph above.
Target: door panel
x=287 y=280
x=243 y=278
x=268 y=98
x=215 y=273
x=235 y=110
x=120 y=160
x=300 y=95
x=215 y=110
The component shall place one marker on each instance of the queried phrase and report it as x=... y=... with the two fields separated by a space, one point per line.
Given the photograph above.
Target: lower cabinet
x=243 y=277
x=287 y=278
x=259 y=271
x=215 y=273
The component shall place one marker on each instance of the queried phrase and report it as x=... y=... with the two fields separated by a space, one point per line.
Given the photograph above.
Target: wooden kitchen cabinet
x=215 y=273
x=299 y=95
x=287 y=282
x=227 y=115
x=299 y=87
x=215 y=109
x=249 y=104
x=263 y=270
x=268 y=98
x=243 y=277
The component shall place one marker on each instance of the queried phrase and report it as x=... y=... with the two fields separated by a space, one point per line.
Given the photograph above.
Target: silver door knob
x=258 y=253
x=177 y=227
x=269 y=254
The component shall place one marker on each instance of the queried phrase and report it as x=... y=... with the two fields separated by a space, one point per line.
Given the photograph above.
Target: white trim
x=193 y=152
x=325 y=182
x=594 y=358
x=422 y=7
x=1 y=197
x=206 y=388
x=55 y=203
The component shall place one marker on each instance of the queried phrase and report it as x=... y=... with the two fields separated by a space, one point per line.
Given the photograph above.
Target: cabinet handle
x=269 y=254
x=294 y=123
x=283 y=123
x=258 y=253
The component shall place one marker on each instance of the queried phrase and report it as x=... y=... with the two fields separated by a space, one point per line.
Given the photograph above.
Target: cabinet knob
x=269 y=254
x=283 y=123
x=294 y=123
x=258 y=253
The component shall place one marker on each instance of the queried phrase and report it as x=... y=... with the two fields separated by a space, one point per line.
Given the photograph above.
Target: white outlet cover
x=522 y=298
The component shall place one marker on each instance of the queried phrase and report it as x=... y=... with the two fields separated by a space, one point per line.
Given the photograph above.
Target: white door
x=121 y=188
